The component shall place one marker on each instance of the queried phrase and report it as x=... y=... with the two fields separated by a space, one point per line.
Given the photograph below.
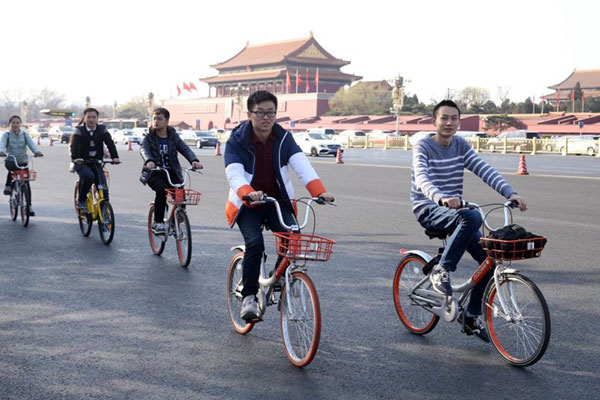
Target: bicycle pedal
x=254 y=320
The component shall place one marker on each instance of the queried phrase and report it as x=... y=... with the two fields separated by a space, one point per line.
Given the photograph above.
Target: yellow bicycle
x=98 y=207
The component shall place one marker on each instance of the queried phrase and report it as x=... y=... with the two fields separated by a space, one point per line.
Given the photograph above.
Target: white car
x=316 y=144
x=352 y=137
x=415 y=137
x=584 y=144
x=127 y=135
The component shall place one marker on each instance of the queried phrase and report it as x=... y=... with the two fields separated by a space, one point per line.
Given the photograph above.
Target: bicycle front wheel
x=416 y=318
x=14 y=204
x=300 y=317
x=183 y=237
x=106 y=222
x=24 y=206
x=234 y=295
x=156 y=243
x=521 y=334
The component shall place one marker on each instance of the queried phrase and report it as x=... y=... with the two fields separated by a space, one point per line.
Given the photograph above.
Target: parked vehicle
x=38 y=131
x=61 y=133
x=127 y=135
x=518 y=141
x=351 y=137
x=584 y=144
x=316 y=144
x=471 y=134
x=415 y=137
x=199 y=139
x=325 y=131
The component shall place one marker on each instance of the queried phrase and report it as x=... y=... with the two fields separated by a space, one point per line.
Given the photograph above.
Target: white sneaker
x=249 y=310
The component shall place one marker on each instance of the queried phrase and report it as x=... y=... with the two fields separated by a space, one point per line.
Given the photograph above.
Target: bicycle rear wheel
x=24 y=206
x=521 y=336
x=14 y=203
x=414 y=317
x=76 y=197
x=300 y=318
x=106 y=222
x=157 y=244
x=183 y=237
x=234 y=295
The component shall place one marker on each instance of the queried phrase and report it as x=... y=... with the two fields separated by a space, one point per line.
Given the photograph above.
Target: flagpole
x=296 y=80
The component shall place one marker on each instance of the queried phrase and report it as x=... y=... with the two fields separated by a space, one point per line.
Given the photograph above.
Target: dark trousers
x=158 y=182
x=463 y=225
x=88 y=175
x=249 y=221
x=11 y=166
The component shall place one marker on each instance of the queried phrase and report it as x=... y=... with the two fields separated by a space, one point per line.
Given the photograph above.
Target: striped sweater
x=437 y=172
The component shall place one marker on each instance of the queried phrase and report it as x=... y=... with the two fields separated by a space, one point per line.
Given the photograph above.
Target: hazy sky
x=114 y=50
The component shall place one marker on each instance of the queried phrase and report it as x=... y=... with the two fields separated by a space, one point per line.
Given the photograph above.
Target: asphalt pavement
x=81 y=320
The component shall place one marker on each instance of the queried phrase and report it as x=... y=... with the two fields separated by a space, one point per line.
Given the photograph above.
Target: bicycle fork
x=510 y=314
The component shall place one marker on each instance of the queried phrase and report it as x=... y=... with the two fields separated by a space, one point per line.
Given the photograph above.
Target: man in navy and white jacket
x=258 y=155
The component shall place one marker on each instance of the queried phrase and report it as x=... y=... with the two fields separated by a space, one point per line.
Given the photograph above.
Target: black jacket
x=150 y=149
x=80 y=142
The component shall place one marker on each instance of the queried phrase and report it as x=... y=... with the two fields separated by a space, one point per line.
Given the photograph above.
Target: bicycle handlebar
x=267 y=199
x=17 y=163
x=505 y=206
x=185 y=177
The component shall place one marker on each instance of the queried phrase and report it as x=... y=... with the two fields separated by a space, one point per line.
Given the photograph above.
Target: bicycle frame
x=446 y=306
x=93 y=210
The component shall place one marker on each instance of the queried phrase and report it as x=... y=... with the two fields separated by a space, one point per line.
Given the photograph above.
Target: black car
x=199 y=139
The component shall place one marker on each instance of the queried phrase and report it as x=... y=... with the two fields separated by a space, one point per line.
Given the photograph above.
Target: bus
x=125 y=123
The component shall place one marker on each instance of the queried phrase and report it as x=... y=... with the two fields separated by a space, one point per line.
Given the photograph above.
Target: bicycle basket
x=296 y=246
x=24 y=175
x=517 y=249
x=183 y=196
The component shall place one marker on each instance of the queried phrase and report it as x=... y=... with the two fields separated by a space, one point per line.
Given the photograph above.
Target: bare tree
x=503 y=93
x=473 y=96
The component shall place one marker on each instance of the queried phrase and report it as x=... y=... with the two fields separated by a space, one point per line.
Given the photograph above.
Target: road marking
x=593 y=178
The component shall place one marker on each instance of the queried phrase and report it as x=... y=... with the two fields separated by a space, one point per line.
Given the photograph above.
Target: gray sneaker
x=474 y=326
x=249 y=311
x=158 y=228
x=440 y=279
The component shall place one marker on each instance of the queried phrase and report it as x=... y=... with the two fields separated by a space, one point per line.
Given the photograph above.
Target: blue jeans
x=463 y=226
x=249 y=221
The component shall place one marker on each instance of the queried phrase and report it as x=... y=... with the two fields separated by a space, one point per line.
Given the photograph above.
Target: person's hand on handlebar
x=256 y=196
x=116 y=160
x=150 y=165
x=196 y=165
x=2 y=154
x=39 y=154
x=78 y=160
x=328 y=197
x=452 y=202
x=519 y=200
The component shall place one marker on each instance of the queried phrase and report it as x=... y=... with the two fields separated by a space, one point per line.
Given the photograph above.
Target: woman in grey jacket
x=159 y=148
x=15 y=143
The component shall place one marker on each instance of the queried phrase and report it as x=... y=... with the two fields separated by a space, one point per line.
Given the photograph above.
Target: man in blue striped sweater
x=437 y=188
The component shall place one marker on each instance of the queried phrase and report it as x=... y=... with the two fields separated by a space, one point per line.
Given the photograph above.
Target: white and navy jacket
x=240 y=165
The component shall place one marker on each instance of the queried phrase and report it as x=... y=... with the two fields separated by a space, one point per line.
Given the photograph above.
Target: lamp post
x=238 y=101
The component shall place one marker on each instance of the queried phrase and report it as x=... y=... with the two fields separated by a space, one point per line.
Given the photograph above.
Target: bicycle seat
x=436 y=234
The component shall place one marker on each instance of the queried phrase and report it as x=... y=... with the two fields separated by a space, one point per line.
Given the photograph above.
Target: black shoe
x=440 y=279
x=31 y=212
x=6 y=190
x=474 y=326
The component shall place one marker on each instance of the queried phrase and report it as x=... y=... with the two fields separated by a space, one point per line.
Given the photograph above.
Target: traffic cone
x=522 y=170
x=338 y=156
x=218 y=149
x=129 y=145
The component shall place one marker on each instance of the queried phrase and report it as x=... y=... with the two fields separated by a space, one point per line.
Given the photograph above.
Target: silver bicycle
x=515 y=311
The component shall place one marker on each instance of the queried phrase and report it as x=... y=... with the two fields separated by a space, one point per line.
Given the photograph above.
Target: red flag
x=307 y=83
x=317 y=79
x=288 y=81
x=582 y=95
x=192 y=86
x=178 y=91
x=186 y=87
x=573 y=95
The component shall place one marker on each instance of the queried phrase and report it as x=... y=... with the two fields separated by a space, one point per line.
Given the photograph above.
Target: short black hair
x=163 y=111
x=445 y=103
x=15 y=117
x=258 y=97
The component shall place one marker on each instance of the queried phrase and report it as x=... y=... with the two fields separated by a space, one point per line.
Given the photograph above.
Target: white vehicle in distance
x=415 y=137
x=352 y=137
x=584 y=144
x=127 y=135
x=325 y=131
x=316 y=144
x=471 y=134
